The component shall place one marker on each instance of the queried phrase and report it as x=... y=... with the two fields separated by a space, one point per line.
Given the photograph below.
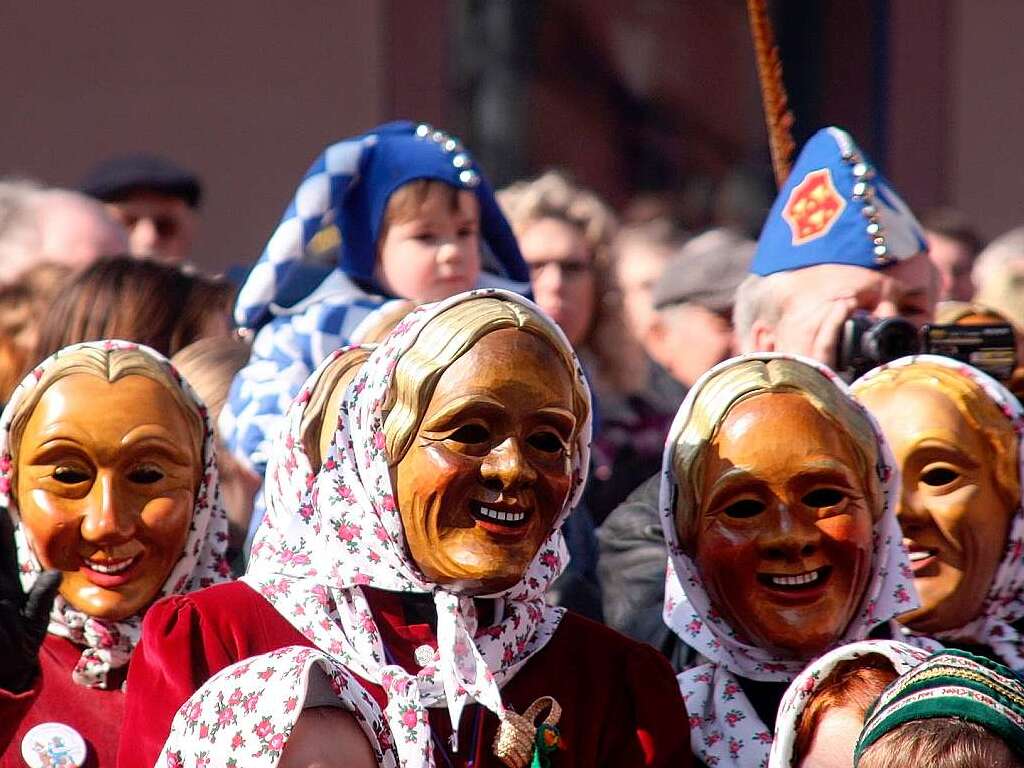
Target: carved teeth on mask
x=511 y=518
x=111 y=566
x=799 y=580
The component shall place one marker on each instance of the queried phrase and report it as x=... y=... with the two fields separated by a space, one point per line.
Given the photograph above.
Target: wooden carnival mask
x=488 y=471
x=106 y=475
x=958 y=460
x=784 y=533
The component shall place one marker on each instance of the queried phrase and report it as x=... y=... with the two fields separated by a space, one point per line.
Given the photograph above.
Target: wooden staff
x=777 y=114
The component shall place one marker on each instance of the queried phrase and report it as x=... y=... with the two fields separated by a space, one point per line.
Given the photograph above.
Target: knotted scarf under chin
x=108 y=646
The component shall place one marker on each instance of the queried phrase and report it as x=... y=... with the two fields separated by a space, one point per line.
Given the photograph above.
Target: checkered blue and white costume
x=302 y=311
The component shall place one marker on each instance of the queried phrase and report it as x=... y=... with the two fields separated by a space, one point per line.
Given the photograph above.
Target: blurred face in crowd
x=562 y=274
x=106 y=480
x=688 y=339
x=75 y=230
x=953 y=260
x=954 y=516
x=785 y=528
x=431 y=249
x=489 y=471
x=160 y=226
x=638 y=266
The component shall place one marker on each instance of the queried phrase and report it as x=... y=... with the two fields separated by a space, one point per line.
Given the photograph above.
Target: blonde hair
x=210 y=365
x=111 y=365
x=617 y=361
x=315 y=429
x=975 y=406
x=998 y=275
x=1006 y=249
x=442 y=341
x=743 y=381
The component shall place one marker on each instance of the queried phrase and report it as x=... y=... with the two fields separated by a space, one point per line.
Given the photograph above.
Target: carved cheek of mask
x=489 y=469
x=954 y=518
x=784 y=539
x=106 y=479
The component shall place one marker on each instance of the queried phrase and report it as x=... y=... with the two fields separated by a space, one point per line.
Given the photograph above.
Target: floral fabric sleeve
x=244 y=715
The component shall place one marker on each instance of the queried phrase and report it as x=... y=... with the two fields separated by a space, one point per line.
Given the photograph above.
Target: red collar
x=402 y=630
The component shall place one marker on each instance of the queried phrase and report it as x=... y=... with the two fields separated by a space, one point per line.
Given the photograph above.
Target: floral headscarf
x=245 y=713
x=725 y=729
x=346 y=533
x=1004 y=604
x=280 y=539
x=108 y=644
x=903 y=657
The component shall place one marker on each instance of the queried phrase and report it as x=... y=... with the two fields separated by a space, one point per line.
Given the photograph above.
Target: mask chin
x=474 y=581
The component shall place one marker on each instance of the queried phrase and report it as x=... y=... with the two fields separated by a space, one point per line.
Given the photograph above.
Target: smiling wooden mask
x=779 y=509
x=958 y=455
x=482 y=445
x=108 y=461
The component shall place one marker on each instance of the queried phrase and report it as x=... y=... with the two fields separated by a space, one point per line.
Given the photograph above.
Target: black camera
x=866 y=342
x=991 y=348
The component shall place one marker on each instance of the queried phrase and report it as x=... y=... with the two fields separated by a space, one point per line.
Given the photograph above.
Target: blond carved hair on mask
x=440 y=343
x=973 y=404
x=111 y=365
x=752 y=378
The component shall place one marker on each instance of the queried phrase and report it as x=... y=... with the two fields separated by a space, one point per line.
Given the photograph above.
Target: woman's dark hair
x=144 y=301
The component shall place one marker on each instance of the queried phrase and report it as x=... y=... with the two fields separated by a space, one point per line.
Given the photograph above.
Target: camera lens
x=890 y=339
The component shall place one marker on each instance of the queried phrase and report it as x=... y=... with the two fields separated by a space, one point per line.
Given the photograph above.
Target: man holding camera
x=838 y=245
x=841 y=274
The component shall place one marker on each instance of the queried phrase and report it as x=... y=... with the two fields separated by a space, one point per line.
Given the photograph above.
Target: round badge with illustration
x=53 y=745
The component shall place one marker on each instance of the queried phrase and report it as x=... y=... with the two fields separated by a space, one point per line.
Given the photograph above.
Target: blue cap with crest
x=836 y=208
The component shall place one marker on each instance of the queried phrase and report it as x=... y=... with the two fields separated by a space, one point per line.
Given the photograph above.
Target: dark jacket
x=631 y=569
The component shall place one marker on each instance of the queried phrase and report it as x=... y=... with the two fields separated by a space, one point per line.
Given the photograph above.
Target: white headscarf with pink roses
x=244 y=714
x=724 y=727
x=902 y=656
x=108 y=644
x=1004 y=605
x=318 y=548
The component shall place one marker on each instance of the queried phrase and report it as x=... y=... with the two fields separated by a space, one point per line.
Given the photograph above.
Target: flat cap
x=120 y=176
x=706 y=271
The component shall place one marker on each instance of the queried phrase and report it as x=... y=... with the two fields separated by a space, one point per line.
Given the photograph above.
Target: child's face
x=436 y=253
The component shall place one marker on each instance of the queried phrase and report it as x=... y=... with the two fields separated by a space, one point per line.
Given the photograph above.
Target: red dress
x=620 y=701
x=55 y=697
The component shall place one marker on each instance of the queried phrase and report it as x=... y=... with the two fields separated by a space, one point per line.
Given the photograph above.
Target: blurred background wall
x=652 y=95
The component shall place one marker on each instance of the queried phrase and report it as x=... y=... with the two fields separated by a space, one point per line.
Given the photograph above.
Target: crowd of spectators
x=648 y=307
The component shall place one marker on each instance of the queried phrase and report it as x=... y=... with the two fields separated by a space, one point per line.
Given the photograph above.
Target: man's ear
x=760 y=339
x=654 y=341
